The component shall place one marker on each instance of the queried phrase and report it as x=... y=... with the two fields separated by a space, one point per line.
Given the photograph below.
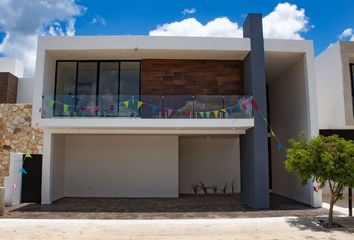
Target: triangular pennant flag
x=95 y=109
x=244 y=105
x=201 y=114
x=223 y=110
x=83 y=108
x=186 y=114
x=40 y=110
x=111 y=107
x=28 y=155
x=254 y=104
x=169 y=112
x=207 y=114
x=23 y=171
x=280 y=146
x=33 y=138
x=153 y=109
x=13 y=186
x=126 y=104
x=65 y=108
x=216 y=114
x=238 y=107
x=51 y=103
x=229 y=110
x=271 y=131
x=140 y=103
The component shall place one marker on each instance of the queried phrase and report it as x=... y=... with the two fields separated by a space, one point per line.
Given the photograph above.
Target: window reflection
x=94 y=88
x=86 y=87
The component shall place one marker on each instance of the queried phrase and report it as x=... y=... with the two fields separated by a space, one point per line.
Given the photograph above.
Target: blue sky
x=139 y=17
x=21 y=21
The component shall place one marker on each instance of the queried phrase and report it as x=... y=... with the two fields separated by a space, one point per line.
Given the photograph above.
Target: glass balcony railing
x=147 y=106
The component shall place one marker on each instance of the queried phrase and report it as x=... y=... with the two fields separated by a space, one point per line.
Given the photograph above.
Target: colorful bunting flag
x=111 y=107
x=254 y=104
x=13 y=186
x=216 y=114
x=186 y=114
x=126 y=104
x=207 y=114
x=23 y=171
x=223 y=110
x=271 y=131
x=153 y=109
x=51 y=103
x=238 y=107
x=201 y=114
x=140 y=103
x=33 y=138
x=169 y=112
x=280 y=146
x=40 y=110
x=83 y=108
x=229 y=110
x=65 y=108
x=28 y=155
x=244 y=105
x=95 y=109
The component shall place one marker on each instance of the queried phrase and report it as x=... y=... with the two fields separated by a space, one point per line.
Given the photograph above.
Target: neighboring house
x=139 y=116
x=17 y=137
x=335 y=91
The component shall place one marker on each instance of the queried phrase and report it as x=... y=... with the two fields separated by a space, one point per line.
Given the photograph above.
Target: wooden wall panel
x=191 y=77
x=8 y=88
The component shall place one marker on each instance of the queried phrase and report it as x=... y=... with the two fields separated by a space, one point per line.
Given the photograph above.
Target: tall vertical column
x=47 y=168
x=254 y=148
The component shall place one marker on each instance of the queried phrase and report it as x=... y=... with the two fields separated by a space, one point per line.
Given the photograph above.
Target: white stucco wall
x=213 y=160
x=11 y=65
x=334 y=90
x=329 y=72
x=25 y=90
x=58 y=166
x=121 y=166
x=289 y=116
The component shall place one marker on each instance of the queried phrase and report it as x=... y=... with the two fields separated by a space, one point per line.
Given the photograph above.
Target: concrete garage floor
x=185 y=207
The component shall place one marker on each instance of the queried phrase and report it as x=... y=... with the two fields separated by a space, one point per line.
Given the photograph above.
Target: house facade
x=335 y=91
x=130 y=116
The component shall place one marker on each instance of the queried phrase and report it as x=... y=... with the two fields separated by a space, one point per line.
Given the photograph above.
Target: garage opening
x=95 y=165
x=213 y=161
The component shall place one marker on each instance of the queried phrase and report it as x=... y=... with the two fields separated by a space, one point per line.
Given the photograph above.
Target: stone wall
x=16 y=133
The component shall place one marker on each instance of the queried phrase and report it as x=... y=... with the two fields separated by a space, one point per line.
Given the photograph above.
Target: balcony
x=147 y=114
x=148 y=107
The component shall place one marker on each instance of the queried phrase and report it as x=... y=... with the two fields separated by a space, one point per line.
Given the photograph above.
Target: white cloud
x=22 y=21
x=98 y=20
x=347 y=34
x=286 y=21
x=219 y=27
x=189 y=11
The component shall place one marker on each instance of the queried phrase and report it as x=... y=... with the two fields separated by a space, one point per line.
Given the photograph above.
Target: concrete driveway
x=242 y=228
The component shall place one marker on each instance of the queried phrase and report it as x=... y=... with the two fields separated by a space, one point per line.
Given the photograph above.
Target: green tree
x=324 y=160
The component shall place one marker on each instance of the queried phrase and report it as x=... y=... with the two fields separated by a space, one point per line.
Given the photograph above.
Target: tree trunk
x=330 y=213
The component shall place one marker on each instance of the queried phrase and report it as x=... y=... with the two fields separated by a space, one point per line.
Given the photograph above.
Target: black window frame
x=97 y=81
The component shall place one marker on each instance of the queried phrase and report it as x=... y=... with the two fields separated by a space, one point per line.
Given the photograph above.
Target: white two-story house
x=139 y=116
